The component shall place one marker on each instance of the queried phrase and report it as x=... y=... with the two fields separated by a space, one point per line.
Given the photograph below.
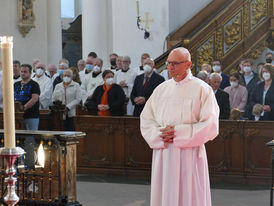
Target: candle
x=137 y=7
x=8 y=92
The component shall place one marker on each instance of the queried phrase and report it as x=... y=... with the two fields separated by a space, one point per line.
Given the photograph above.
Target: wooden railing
x=225 y=30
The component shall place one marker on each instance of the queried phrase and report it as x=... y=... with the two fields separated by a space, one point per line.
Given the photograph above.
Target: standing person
x=218 y=68
x=237 y=93
x=144 y=85
x=44 y=84
x=16 y=71
x=263 y=93
x=69 y=93
x=125 y=78
x=27 y=93
x=177 y=130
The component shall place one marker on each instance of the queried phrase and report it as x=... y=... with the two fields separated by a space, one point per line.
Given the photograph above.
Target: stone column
x=96 y=28
x=54 y=29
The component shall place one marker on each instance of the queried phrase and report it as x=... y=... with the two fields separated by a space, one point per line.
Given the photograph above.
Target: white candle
x=137 y=8
x=8 y=92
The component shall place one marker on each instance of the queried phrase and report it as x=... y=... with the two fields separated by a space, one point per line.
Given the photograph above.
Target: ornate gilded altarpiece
x=26 y=16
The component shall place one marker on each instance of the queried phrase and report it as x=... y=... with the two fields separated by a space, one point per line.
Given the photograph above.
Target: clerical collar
x=141 y=68
x=113 y=67
x=95 y=74
x=124 y=70
x=14 y=77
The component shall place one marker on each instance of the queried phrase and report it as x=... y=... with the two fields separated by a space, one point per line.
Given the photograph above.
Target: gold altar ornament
x=26 y=16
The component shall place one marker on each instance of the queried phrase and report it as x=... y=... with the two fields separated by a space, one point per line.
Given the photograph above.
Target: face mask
x=269 y=60
x=66 y=79
x=216 y=68
x=89 y=67
x=147 y=69
x=113 y=62
x=266 y=76
x=247 y=69
x=60 y=72
x=234 y=84
x=39 y=72
x=96 y=69
x=109 y=81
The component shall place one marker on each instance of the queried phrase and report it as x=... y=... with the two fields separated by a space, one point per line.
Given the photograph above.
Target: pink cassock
x=179 y=169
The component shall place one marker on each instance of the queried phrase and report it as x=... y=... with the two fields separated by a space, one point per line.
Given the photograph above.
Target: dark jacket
x=223 y=102
x=250 y=87
x=116 y=100
x=225 y=81
x=257 y=98
x=138 y=90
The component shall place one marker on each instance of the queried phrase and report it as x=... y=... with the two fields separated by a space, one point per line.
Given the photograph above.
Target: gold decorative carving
x=258 y=50
x=219 y=43
x=258 y=12
x=232 y=32
x=205 y=52
x=246 y=18
x=26 y=16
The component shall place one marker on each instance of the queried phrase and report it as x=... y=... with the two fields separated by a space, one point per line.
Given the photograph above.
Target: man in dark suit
x=217 y=67
x=250 y=80
x=221 y=96
x=144 y=85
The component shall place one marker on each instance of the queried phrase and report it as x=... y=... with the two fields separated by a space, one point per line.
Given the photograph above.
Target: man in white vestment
x=45 y=85
x=92 y=80
x=178 y=119
x=125 y=78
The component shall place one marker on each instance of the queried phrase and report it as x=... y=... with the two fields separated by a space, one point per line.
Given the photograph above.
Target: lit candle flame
x=41 y=155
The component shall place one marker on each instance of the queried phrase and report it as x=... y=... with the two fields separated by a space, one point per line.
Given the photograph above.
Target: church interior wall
x=182 y=11
x=34 y=45
x=128 y=39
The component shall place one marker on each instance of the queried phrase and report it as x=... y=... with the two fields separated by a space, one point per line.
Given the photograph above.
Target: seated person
x=222 y=97
x=258 y=112
x=237 y=93
x=108 y=99
x=263 y=93
x=68 y=93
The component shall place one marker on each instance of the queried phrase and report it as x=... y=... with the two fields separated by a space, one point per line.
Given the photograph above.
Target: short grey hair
x=202 y=75
x=68 y=71
x=216 y=75
x=126 y=58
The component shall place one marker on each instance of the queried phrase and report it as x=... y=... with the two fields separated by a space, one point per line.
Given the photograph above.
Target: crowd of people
x=122 y=90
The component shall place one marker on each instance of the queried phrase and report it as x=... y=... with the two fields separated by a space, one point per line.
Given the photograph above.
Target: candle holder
x=10 y=154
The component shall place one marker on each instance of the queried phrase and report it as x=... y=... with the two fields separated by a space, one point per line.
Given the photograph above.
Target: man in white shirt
x=44 y=84
x=52 y=72
x=88 y=68
x=81 y=65
x=93 y=79
x=125 y=78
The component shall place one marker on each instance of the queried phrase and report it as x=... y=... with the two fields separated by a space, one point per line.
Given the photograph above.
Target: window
x=67 y=9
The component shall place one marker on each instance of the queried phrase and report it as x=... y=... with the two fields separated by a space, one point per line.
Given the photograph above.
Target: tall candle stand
x=10 y=155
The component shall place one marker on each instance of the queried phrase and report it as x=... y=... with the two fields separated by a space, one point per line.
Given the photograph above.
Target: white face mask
x=96 y=69
x=39 y=72
x=247 y=69
x=266 y=76
x=109 y=81
x=234 y=84
x=147 y=69
x=66 y=79
x=216 y=68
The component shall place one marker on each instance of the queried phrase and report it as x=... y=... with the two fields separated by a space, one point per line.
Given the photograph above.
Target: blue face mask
x=89 y=67
x=61 y=72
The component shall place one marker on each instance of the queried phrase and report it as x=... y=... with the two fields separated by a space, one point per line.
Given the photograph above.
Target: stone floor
x=113 y=191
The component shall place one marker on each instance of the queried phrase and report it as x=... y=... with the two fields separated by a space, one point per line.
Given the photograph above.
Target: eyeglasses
x=175 y=64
